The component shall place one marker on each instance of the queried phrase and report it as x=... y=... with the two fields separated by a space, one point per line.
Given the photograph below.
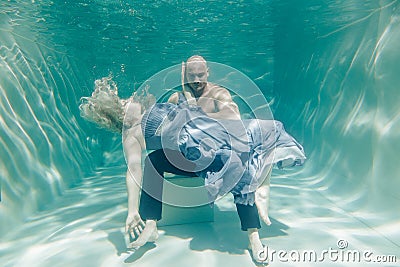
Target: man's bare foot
x=256 y=247
x=262 y=202
x=149 y=234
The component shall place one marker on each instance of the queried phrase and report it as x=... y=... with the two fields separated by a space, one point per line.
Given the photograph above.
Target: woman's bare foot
x=262 y=203
x=149 y=234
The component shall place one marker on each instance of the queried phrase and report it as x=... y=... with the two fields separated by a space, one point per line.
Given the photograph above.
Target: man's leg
x=156 y=164
x=250 y=222
x=150 y=208
x=152 y=186
x=248 y=216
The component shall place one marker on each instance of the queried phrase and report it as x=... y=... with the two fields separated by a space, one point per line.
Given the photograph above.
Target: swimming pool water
x=328 y=68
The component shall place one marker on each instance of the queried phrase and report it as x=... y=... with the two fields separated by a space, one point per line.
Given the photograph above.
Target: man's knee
x=153 y=159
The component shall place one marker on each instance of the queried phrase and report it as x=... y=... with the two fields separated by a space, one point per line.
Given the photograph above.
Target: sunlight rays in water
x=38 y=131
x=86 y=227
x=354 y=118
x=86 y=217
x=350 y=122
x=373 y=12
x=311 y=214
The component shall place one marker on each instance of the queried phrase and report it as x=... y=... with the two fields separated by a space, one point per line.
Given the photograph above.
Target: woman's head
x=107 y=110
x=104 y=107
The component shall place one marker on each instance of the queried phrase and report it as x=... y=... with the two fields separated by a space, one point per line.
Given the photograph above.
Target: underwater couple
x=198 y=132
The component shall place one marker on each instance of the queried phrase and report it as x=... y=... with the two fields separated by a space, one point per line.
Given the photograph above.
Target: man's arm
x=226 y=108
x=173 y=98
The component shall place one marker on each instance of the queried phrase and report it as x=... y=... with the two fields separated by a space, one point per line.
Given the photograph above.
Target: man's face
x=196 y=76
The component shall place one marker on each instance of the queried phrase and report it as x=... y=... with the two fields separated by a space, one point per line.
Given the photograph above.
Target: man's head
x=196 y=74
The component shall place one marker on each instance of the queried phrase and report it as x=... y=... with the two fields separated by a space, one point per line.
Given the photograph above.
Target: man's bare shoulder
x=219 y=92
x=174 y=98
x=216 y=87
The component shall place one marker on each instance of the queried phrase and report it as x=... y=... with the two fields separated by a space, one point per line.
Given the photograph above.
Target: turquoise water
x=329 y=69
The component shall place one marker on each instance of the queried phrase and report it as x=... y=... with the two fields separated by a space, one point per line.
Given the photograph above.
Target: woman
x=232 y=156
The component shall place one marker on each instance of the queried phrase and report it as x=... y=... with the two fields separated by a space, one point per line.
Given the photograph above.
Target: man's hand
x=134 y=225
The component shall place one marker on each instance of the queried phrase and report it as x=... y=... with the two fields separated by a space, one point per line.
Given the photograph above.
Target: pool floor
x=84 y=227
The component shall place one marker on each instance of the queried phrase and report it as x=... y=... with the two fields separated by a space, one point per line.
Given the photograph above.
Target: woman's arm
x=133 y=154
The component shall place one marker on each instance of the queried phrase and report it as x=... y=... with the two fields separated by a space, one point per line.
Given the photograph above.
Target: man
x=213 y=99
x=217 y=103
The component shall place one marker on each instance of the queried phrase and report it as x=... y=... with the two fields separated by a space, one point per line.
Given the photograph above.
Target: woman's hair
x=106 y=109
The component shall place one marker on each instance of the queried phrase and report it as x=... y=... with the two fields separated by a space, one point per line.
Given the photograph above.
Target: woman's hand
x=134 y=225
